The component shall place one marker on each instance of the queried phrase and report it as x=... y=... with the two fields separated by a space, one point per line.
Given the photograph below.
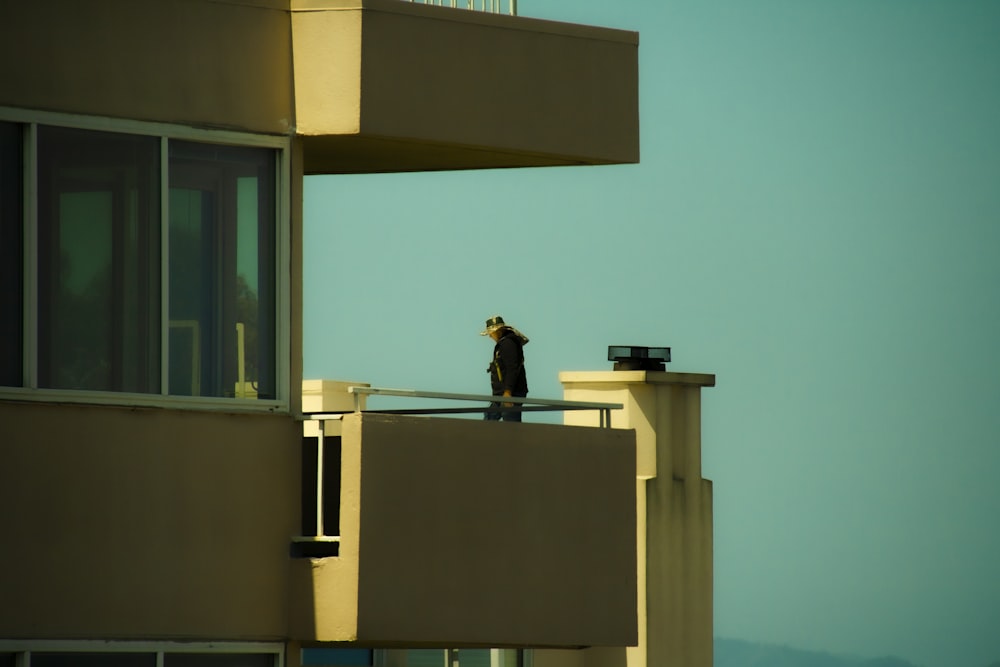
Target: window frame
x=280 y=144
x=23 y=648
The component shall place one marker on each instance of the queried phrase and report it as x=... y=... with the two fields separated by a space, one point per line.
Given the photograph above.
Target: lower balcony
x=156 y=524
x=459 y=533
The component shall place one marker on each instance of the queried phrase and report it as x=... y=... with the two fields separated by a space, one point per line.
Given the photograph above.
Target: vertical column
x=673 y=507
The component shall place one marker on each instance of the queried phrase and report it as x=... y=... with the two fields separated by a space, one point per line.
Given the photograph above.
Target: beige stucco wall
x=132 y=523
x=128 y=523
x=324 y=591
x=210 y=64
x=371 y=85
x=383 y=85
x=473 y=533
x=327 y=66
x=674 y=510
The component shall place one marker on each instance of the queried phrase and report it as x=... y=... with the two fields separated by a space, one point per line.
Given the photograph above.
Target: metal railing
x=491 y=6
x=517 y=404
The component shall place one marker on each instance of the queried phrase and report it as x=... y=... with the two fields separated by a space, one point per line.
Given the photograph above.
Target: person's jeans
x=497 y=415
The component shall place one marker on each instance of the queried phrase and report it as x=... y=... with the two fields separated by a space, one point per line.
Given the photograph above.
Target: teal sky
x=816 y=220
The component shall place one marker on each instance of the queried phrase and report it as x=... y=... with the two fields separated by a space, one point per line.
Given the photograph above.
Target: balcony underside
x=352 y=154
x=384 y=85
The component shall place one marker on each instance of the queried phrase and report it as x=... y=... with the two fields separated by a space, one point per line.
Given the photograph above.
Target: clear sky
x=816 y=220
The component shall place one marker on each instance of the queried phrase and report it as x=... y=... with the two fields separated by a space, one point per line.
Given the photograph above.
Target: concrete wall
x=126 y=523
x=470 y=533
x=142 y=523
x=383 y=85
x=215 y=64
x=371 y=85
x=674 y=510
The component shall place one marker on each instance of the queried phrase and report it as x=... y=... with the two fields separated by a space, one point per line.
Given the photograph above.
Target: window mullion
x=283 y=287
x=164 y=267
x=30 y=274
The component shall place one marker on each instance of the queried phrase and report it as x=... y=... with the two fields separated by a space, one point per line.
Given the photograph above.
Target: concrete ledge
x=636 y=377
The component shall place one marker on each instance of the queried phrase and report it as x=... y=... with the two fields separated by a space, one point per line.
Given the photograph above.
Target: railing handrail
x=525 y=404
x=491 y=6
x=417 y=393
x=520 y=404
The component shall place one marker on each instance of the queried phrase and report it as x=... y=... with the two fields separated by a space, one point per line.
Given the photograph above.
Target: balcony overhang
x=386 y=86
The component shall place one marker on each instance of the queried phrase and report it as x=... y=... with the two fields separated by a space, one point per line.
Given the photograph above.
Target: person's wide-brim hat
x=493 y=324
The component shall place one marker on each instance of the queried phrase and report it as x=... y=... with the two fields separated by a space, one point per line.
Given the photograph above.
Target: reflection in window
x=93 y=659
x=464 y=657
x=337 y=657
x=426 y=657
x=222 y=274
x=98 y=260
x=102 y=271
x=11 y=253
x=219 y=660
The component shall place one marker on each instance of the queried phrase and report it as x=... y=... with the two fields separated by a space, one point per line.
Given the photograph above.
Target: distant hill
x=739 y=653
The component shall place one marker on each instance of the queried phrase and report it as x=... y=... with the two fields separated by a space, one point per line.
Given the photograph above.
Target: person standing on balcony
x=507 y=374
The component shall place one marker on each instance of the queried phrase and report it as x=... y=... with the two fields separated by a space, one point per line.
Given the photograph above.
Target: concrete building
x=160 y=503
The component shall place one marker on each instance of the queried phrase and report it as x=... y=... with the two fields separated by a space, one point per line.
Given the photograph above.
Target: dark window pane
x=99 y=261
x=474 y=657
x=512 y=657
x=93 y=659
x=219 y=660
x=222 y=272
x=11 y=254
x=337 y=657
x=426 y=657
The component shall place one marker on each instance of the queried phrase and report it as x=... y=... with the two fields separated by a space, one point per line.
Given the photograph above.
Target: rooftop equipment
x=636 y=358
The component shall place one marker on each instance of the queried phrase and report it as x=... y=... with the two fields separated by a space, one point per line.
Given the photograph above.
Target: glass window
x=93 y=660
x=222 y=272
x=104 y=261
x=511 y=657
x=463 y=657
x=426 y=657
x=11 y=257
x=475 y=657
x=98 y=261
x=219 y=660
x=337 y=657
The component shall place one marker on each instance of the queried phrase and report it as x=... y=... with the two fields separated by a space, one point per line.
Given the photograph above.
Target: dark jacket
x=507 y=368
